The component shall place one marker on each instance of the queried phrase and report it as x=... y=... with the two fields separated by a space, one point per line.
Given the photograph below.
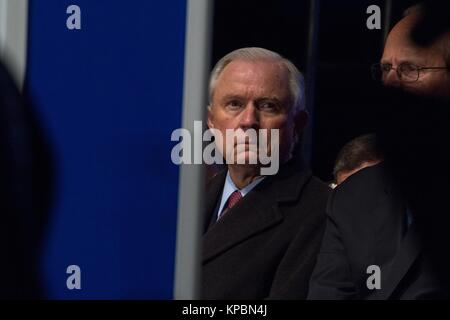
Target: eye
x=268 y=106
x=408 y=67
x=234 y=104
x=386 y=67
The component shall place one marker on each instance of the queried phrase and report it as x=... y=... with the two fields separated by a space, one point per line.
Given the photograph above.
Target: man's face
x=253 y=95
x=400 y=49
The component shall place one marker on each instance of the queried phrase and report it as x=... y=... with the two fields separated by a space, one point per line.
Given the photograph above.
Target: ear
x=209 y=118
x=300 y=121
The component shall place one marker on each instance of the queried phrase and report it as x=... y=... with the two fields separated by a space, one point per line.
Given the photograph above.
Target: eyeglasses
x=406 y=72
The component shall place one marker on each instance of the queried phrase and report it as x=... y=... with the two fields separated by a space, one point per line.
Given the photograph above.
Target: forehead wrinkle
x=254 y=79
x=398 y=53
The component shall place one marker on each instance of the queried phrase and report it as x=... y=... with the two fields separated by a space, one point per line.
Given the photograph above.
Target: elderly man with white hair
x=262 y=233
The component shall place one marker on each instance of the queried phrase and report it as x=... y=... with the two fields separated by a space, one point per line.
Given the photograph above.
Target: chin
x=247 y=157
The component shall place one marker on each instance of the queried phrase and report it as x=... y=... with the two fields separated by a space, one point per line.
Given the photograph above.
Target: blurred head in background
x=357 y=154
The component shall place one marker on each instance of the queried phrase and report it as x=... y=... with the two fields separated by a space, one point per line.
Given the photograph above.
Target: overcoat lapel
x=406 y=255
x=256 y=212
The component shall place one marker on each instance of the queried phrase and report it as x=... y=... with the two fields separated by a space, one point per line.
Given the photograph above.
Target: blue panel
x=109 y=96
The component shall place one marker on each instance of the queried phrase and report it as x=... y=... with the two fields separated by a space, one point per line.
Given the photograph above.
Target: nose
x=249 y=117
x=391 y=79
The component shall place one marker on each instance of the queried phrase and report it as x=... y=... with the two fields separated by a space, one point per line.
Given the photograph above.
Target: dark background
x=345 y=98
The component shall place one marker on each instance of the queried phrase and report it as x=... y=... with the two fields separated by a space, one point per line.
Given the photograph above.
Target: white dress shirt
x=229 y=187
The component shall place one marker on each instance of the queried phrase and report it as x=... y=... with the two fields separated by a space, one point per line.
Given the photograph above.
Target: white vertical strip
x=191 y=180
x=3 y=15
x=13 y=37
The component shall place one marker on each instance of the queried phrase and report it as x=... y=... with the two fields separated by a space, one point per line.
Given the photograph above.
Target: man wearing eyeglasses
x=387 y=226
x=418 y=69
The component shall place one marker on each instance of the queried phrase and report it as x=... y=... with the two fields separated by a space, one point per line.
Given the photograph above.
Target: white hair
x=296 y=79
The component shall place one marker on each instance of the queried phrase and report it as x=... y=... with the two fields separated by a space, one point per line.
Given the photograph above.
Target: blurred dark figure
x=25 y=194
x=359 y=153
x=415 y=141
x=391 y=221
x=394 y=215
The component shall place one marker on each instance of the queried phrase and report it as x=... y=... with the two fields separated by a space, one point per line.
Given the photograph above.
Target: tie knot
x=233 y=199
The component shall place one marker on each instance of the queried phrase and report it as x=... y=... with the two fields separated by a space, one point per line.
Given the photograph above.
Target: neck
x=243 y=175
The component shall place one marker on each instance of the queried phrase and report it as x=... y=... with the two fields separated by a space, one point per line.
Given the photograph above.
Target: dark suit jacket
x=266 y=245
x=367 y=225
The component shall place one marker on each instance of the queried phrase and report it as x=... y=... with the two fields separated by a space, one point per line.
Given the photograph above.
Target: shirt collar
x=229 y=187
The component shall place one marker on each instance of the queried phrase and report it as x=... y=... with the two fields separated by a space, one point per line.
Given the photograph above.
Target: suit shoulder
x=315 y=196
x=361 y=191
x=317 y=186
x=368 y=180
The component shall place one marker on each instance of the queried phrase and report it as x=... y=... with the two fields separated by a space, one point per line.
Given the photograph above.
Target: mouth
x=246 y=144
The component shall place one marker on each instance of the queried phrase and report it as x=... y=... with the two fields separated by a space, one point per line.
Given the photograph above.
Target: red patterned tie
x=234 y=198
